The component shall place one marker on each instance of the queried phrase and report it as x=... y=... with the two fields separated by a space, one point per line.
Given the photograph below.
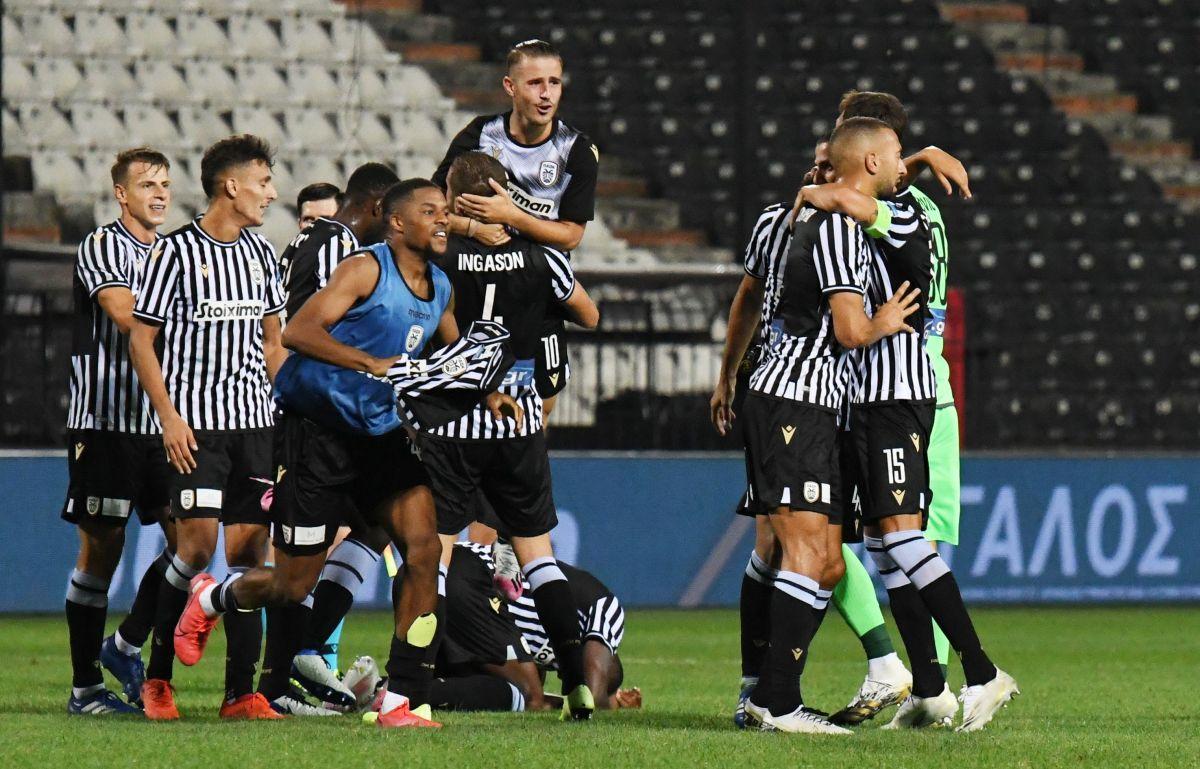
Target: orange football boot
x=158 y=699
x=249 y=707
x=194 y=626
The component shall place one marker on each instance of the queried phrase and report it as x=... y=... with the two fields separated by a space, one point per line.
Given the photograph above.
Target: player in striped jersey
x=495 y=642
x=212 y=290
x=813 y=313
x=891 y=424
x=114 y=452
x=516 y=284
x=314 y=201
x=306 y=265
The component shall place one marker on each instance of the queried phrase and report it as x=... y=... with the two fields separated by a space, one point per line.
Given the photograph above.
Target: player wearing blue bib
x=341 y=447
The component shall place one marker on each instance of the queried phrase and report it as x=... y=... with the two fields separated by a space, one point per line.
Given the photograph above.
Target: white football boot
x=756 y=717
x=363 y=679
x=982 y=701
x=803 y=720
x=886 y=686
x=920 y=712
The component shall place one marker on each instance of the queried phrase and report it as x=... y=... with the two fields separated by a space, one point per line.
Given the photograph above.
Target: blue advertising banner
x=660 y=530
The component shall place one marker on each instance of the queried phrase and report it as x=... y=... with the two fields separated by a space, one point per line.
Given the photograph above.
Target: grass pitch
x=1102 y=688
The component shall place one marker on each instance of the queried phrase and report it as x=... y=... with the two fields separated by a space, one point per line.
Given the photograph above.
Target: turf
x=1102 y=687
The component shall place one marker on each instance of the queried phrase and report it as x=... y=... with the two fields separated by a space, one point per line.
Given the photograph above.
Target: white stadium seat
x=150 y=35
x=311 y=128
x=279 y=225
x=15 y=140
x=200 y=35
x=45 y=126
x=261 y=82
x=418 y=132
x=97 y=168
x=59 y=173
x=98 y=33
x=210 y=81
x=252 y=37
x=19 y=84
x=97 y=125
x=47 y=32
x=150 y=126
x=312 y=84
x=307 y=35
x=160 y=80
x=14 y=38
x=260 y=122
x=417 y=86
x=369 y=86
x=356 y=40
x=363 y=128
x=201 y=126
x=317 y=167
x=106 y=79
x=57 y=78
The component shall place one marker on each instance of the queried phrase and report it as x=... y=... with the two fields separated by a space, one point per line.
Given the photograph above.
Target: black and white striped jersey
x=802 y=360
x=766 y=253
x=105 y=394
x=554 y=179
x=210 y=298
x=516 y=285
x=897 y=368
x=311 y=257
x=601 y=615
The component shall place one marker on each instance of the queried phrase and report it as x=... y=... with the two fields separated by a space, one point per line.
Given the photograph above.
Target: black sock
x=136 y=626
x=285 y=628
x=331 y=604
x=794 y=622
x=172 y=597
x=408 y=670
x=945 y=603
x=916 y=631
x=480 y=692
x=243 y=637
x=556 y=609
x=755 y=613
x=87 y=607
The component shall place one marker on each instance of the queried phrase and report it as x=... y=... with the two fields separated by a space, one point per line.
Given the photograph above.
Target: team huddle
x=384 y=384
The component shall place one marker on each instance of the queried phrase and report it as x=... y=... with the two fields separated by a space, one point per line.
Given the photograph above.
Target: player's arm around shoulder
x=569 y=292
x=308 y=331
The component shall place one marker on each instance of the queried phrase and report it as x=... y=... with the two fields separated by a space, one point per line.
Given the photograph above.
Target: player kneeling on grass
x=496 y=653
x=342 y=442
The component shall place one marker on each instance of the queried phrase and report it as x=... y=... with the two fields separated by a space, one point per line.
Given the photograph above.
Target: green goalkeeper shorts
x=944 y=477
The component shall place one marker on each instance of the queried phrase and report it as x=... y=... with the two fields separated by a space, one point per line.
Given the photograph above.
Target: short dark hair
x=126 y=158
x=230 y=152
x=850 y=130
x=529 y=49
x=370 y=181
x=317 y=191
x=876 y=104
x=473 y=170
x=400 y=192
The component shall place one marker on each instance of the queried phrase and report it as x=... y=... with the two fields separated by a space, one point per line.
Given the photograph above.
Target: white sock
x=391 y=701
x=885 y=667
x=86 y=691
x=125 y=647
x=206 y=600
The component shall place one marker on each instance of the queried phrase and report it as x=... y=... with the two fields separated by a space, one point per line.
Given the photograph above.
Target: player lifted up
x=517 y=284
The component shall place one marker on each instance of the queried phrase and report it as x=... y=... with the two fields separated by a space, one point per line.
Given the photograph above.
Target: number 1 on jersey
x=489 y=301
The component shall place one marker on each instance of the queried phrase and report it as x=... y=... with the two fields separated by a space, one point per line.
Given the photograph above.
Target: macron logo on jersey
x=511 y=260
x=233 y=309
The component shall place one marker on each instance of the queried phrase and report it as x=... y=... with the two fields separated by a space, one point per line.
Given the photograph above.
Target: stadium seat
x=262 y=83
x=355 y=40
x=98 y=33
x=56 y=78
x=58 y=173
x=47 y=32
x=16 y=143
x=19 y=84
x=311 y=128
x=260 y=122
x=106 y=79
x=98 y=126
x=211 y=82
x=52 y=127
x=161 y=80
x=13 y=38
x=251 y=36
x=316 y=166
x=302 y=33
x=149 y=35
x=312 y=84
x=363 y=128
x=201 y=126
x=150 y=126
x=200 y=36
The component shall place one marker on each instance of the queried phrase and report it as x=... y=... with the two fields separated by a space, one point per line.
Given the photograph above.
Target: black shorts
x=791 y=457
x=852 y=521
x=891 y=446
x=551 y=367
x=513 y=474
x=479 y=629
x=326 y=479
x=233 y=472
x=114 y=473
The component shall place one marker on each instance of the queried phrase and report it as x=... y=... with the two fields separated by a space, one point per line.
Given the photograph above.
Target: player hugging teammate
x=853 y=237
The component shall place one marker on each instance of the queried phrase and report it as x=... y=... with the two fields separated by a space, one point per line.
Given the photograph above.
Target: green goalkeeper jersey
x=936 y=302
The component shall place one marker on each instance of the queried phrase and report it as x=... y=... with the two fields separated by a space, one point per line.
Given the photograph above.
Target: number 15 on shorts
x=895 y=466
